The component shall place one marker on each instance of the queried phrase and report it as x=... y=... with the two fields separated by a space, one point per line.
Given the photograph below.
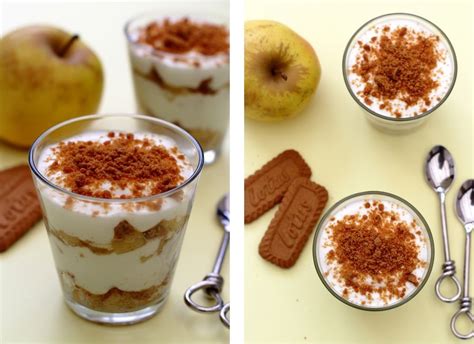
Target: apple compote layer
x=181 y=73
x=113 y=252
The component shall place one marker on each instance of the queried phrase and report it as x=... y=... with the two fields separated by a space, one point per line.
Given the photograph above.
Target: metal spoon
x=465 y=212
x=213 y=281
x=224 y=315
x=439 y=170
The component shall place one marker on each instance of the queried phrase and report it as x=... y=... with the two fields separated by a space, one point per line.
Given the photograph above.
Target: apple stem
x=275 y=72
x=68 y=44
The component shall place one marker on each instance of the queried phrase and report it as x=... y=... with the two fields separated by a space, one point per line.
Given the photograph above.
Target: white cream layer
x=329 y=268
x=443 y=73
x=191 y=110
x=99 y=273
x=181 y=74
x=95 y=220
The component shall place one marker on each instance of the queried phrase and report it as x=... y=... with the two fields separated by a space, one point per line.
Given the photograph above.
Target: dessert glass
x=320 y=249
x=170 y=85
x=379 y=118
x=115 y=258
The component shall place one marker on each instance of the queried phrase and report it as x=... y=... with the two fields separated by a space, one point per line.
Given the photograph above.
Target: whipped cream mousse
x=114 y=255
x=372 y=252
x=400 y=66
x=181 y=74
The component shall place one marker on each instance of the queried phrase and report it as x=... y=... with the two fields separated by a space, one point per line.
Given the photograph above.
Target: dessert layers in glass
x=180 y=69
x=399 y=68
x=116 y=204
x=373 y=251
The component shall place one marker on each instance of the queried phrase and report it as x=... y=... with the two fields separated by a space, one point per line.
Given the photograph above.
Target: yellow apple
x=46 y=76
x=282 y=71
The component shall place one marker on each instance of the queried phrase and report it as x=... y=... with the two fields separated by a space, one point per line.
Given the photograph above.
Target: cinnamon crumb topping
x=98 y=169
x=400 y=65
x=184 y=35
x=375 y=253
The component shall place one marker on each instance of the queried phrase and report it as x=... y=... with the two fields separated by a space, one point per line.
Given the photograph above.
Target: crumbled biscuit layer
x=184 y=35
x=375 y=252
x=122 y=162
x=126 y=237
x=115 y=300
x=398 y=64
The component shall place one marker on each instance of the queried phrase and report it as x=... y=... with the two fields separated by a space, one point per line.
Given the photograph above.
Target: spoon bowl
x=439 y=169
x=465 y=204
x=223 y=212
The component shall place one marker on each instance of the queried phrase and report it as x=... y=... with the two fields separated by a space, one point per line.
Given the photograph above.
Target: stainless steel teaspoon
x=213 y=281
x=465 y=212
x=439 y=170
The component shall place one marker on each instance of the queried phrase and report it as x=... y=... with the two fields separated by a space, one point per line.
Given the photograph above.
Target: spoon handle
x=467 y=263
x=224 y=315
x=466 y=301
x=444 y=225
x=448 y=273
x=221 y=254
x=449 y=268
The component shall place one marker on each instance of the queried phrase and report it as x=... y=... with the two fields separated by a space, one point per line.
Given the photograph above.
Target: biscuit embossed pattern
x=292 y=225
x=267 y=186
x=19 y=206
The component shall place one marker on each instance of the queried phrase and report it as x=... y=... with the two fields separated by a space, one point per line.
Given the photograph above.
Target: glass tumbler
x=188 y=89
x=373 y=113
x=348 y=205
x=115 y=258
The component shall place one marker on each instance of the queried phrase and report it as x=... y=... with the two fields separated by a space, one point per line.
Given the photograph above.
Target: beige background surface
x=32 y=309
x=347 y=155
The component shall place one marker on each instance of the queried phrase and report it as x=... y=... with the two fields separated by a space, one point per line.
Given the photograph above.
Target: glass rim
x=403 y=119
x=126 y=30
x=189 y=180
x=329 y=212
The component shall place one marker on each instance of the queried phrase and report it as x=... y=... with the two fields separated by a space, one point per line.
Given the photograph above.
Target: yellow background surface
x=347 y=155
x=32 y=308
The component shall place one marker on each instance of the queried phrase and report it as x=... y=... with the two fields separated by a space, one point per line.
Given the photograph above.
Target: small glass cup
x=193 y=95
x=320 y=250
x=116 y=257
x=380 y=121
